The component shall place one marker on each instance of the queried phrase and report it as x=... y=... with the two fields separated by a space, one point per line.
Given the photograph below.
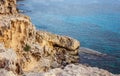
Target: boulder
x=57 y=40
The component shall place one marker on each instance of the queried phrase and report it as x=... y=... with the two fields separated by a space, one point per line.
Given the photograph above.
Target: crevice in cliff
x=56 y=45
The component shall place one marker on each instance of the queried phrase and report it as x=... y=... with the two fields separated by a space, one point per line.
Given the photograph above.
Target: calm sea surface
x=95 y=23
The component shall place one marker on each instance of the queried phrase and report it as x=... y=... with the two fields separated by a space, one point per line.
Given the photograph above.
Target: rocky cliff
x=35 y=50
x=24 y=49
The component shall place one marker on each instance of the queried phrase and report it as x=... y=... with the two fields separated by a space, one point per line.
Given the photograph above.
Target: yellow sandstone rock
x=36 y=50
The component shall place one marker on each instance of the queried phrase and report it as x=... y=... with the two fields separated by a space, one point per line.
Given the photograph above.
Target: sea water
x=95 y=23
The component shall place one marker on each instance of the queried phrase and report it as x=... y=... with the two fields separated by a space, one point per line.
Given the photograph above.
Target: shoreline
x=91 y=56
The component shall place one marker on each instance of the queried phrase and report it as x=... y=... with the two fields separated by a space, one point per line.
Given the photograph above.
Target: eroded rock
x=74 y=70
x=4 y=72
x=57 y=40
x=8 y=7
x=8 y=62
x=36 y=49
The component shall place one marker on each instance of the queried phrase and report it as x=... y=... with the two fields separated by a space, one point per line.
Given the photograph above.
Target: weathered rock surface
x=18 y=33
x=9 y=65
x=74 y=70
x=36 y=50
x=56 y=40
x=4 y=72
x=8 y=7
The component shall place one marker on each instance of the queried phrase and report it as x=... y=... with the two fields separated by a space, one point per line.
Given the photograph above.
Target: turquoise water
x=95 y=23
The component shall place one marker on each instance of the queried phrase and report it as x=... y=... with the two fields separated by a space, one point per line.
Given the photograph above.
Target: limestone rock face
x=4 y=72
x=56 y=40
x=36 y=50
x=62 y=50
x=9 y=65
x=15 y=30
x=74 y=70
x=8 y=7
x=46 y=53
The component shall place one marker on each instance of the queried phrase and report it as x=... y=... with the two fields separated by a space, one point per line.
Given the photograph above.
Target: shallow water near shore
x=95 y=23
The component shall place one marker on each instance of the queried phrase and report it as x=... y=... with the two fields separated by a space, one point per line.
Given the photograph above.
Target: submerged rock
x=98 y=59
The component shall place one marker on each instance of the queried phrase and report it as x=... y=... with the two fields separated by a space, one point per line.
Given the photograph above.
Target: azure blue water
x=95 y=23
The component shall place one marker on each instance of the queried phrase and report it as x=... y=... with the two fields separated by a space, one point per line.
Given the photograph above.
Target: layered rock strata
x=36 y=51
